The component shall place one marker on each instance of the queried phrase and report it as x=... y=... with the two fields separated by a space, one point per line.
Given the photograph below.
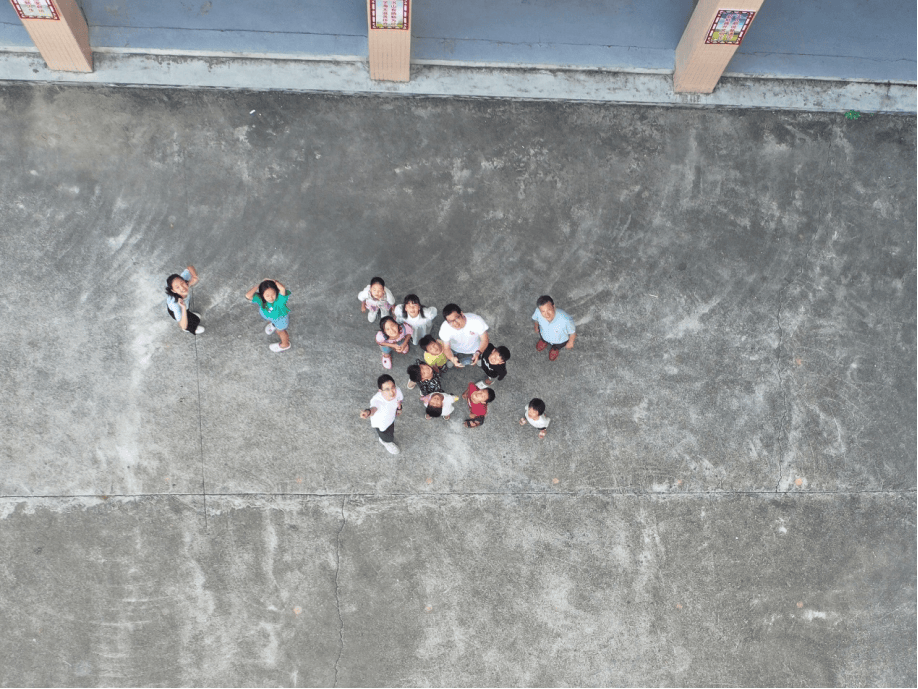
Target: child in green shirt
x=272 y=298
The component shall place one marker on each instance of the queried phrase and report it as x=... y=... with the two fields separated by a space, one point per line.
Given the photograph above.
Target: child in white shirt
x=535 y=415
x=440 y=404
x=375 y=298
x=416 y=315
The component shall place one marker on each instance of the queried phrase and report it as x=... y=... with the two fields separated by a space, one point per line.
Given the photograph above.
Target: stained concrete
x=734 y=432
x=353 y=77
x=517 y=590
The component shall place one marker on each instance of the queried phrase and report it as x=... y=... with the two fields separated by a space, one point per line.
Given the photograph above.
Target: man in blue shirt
x=554 y=327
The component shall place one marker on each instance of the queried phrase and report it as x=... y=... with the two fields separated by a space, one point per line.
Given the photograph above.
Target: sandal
x=387 y=361
x=541 y=344
x=553 y=354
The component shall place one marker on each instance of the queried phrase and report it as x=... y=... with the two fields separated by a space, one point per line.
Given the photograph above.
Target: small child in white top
x=416 y=315
x=535 y=415
x=440 y=404
x=376 y=298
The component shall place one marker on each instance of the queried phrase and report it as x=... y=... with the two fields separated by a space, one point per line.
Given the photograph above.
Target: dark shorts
x=193 y=320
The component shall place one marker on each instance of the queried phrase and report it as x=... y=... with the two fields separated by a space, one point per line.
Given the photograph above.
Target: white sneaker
x=269 y=328
x=199 y=330
x=277 y=348
x=391 y=447
x=371 y=315
x=481 y=385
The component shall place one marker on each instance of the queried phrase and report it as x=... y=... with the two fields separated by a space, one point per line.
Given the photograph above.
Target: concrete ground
x=727 y=491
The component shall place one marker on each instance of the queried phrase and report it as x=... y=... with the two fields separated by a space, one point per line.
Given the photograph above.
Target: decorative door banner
x=729 y=27
x=389 y=14
x=36 y=9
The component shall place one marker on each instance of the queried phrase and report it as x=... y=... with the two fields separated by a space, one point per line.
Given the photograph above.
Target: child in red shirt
x=478 y=404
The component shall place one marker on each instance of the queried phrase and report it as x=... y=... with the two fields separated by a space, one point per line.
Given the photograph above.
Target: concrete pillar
x=714 y=32
x=59 y=31
x=389 y=39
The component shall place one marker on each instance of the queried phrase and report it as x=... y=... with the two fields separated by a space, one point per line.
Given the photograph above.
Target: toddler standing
x=375 y=298
x=535 y=415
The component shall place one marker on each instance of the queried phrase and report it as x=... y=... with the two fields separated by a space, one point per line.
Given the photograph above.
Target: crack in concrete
x=784 y=433
x=601 y=493
x=782 y=430
x=197 y=375
x=337 y=589
x=865 y=58
x=197 y=365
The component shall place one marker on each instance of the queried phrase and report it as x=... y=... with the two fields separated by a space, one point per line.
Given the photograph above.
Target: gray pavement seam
x=828 y=200
x=197 y=366
x=337 y=588
x=197 y=375
x=782 y=429
x=594 y=494
x=783 y=435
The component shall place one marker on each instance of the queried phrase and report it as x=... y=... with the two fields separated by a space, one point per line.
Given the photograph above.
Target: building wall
x=842 y=39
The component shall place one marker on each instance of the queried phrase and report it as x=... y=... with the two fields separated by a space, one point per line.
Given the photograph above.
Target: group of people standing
x=462 y=340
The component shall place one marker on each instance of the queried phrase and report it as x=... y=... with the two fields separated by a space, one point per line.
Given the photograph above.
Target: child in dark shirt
x=425 y=378
x=494 y=364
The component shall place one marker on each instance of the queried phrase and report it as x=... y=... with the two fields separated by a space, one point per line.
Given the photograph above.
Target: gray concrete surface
x=352 y=77
x=727 y=493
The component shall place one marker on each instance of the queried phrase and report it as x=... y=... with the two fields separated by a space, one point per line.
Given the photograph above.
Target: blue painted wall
x=863 y=39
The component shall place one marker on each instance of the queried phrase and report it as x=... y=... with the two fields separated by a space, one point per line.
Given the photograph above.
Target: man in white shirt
x=464 y=336
x=384 y=407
